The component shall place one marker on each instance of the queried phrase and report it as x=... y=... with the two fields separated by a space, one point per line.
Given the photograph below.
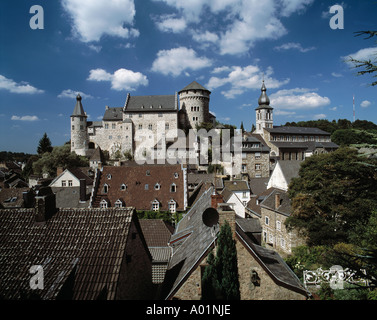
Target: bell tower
x=264 y=112
x=79 y=133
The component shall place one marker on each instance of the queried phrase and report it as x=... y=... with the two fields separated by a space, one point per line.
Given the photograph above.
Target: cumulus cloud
x=178 y=60
x=14 y=87
x=241 y=79
x=94 y=18
x=169 y=23
x=25 y=118
x=298 y=99
x=122 y=79
x=365 y=104
x=294 y=46
x=69 y=93
x=243 y=22
x=319 y=116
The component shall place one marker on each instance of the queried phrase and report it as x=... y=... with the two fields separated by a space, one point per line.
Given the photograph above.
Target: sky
x=106 y=49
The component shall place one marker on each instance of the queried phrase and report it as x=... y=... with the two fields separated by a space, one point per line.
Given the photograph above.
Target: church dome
x=264 y=100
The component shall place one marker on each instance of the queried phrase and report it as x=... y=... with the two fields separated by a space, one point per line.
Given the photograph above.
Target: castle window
x=113 y=126
x=278 y=225
x=73 y=144
x=106 y=126
x=150 y=126
x=110 y=137
x=267 y=221
x=166 y=126
x=173 y=188
x=73 y=127
x=140 y=126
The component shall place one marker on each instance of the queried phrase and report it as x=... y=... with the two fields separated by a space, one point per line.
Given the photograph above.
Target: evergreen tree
x=220 y=279
x=44 y=144
x=242 y=128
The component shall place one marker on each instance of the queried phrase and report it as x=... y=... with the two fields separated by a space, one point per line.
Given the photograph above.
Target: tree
x=220 y=278
x=44 y=144
x=242 y=128
x=333 y=194
x=368 y=66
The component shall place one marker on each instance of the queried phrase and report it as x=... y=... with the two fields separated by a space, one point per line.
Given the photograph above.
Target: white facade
x=66 y=179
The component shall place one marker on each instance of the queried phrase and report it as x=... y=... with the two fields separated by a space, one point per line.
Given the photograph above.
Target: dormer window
x=103 y=204
x=148 y=173
x=123 y=187
x=118 y=203
x=172 y=206
x=105 y=188
x=173 y=188
x=155 y=205
x=108 y=176
x=176 y=175
x=157 y=186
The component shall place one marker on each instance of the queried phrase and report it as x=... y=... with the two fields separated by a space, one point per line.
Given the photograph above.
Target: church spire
x=79 y=110
x=263 y=100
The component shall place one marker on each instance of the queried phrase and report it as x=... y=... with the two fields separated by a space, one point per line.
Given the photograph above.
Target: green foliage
x=346 y=137
x=44 y=144
x=163 y=215
x=59 y=157
x=333 y=194
x=220 y=279
x=14 y=156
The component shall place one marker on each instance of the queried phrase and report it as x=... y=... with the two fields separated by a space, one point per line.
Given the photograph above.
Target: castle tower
x=263 y=112
x=79 y=133
x=194 y=98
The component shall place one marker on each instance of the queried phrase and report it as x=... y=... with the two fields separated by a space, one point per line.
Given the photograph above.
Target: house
x=71 y=178
x=229 y=197
x=80 y=254
x=283 y=173
x=241 y=189
x=274 y=210
x=11 y=198
x=263 y=274
x=145 y=187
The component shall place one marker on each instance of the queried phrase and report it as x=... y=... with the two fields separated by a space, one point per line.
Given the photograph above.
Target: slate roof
x=285 y=202
x=289 y=168
x=237 y=185
x=151 y=103
x=12 y=197
x=78 y=110
x=90 y=242
x=297 y=130
x=194 y=86
x=69 y=197
x=113 y=114
x=308 y=145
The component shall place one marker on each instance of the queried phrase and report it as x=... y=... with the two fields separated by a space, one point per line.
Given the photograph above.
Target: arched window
x=105 y=188
x=173 y=188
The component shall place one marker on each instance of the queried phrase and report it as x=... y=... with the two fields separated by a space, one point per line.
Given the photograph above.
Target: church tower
x=79 y=133
x=263 y=112
x=194 y=98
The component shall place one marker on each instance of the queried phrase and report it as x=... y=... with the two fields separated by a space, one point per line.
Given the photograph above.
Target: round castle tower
x=263 y=112
x=79 y=134
x=194 y=98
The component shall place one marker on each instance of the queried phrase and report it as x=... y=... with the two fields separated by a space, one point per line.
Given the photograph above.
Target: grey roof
x=263 y=101
x=258 y=185
x=285 y=202
x=79 y=110
x=251 y=225
x=289 y=168
x=69 y=197
x=94 y=124
x=151 y=103
x=113 y=114
x=297 y=130
x=194 y=86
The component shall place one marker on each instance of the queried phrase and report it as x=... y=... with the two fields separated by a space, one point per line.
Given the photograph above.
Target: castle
x=148 y=114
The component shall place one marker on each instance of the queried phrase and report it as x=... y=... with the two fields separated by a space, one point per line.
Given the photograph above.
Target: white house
x=71 y=178
x=237 y=192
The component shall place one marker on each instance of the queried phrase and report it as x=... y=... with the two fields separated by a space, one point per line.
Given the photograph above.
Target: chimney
x=45 y=206
x=59 y=171
x=226 y=213
x=277 y=200
x=82 y=190
x=216 y=199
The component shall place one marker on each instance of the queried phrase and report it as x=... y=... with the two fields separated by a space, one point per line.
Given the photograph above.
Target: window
x=118 y=203
x=166 y=126
x=267 y=220
x=278 y=225
x=140 y=126
x=148 y=173
x=113 y=126
x=110 y=137
x=140 y=115
x=150 y=126
x=106 y=126
x=282 y=243
x=172 y=206
x=64 y=183
x=244 y=203
x=257 y=166
x=160 y=114
x=257 y=155
x=105 y=188
x=123 y=187
x=244 y=168
x=173 y=188
x=108 y=176
x=69 y=183
x=103 y=204
x=73 y=127
x=155 y=205
x=146 y=187
x=157 y=186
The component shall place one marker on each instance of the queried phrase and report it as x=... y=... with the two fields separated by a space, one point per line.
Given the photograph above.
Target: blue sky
x=105 y=49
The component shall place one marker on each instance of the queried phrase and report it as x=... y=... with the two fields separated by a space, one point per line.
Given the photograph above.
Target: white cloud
x=319 y=116
x=333 y=108
x=122 y=79
x=336 y=75
x=69 y=93
x=25 y=118
x=242 y=79
x=294 y=46
x=298 y=99
x=178 y=60
x=14 y=87
x=169 y=23
x=361 y=55
x=243 y=22
x=365 y=104
x=94 y=18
